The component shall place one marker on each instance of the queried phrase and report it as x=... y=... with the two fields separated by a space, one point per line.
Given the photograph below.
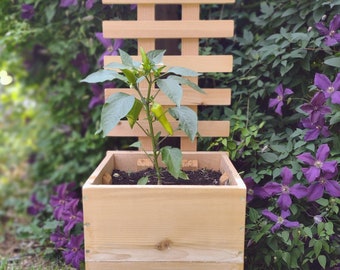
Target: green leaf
x=172 y=157
x=334 y=62
x=317 y=247
x=335 y=119
x=133 y=114
x=136 y=144
x=185 y=81
x=187 y=120
x=269 y=157
x=126 y=58
x=116 y=107
x=143 y=181
x=322 y=201
x=183 y=71
x=115 y=65
x=156 y=56
x=322 y=261
x=102 y=76
x=308 y=232
x=172 y=89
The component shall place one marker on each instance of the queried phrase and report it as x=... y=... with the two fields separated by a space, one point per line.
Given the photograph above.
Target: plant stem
x=151 y=134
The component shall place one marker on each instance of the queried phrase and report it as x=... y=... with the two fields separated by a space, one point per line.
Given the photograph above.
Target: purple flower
x=280 y=220
x=59 y=238
x=64 y=195
x=89 y=4
x=332 y=37
x=81 y=62
x=253 y=190
x=74 y=252
x=72 y=215
x=98 y=94
x=111 y=49
x=67 y=3
x=132 y=7
x=285 y=190
x=317 y=164
x=331 y=90
x=27 y=11
x=315 y=128
x=278 y=101
x=317 y=219
x=316 y=107
x=324 y=182
x=36 y=207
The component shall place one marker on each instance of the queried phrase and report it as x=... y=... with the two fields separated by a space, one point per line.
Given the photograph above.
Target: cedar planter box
x=164 y=227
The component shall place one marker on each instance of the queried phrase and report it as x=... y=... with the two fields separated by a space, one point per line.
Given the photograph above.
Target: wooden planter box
x=164 y=227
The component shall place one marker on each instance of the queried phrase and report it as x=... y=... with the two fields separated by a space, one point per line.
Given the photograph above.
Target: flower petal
x=322 y=152
x=315 y=191
x=306 y=158
x=298 y=190
x=322 y=81
x=269 y=215
x=311 y=173
x=284 y=201
x=287 y=176
x=333 y=188
x=272 y=188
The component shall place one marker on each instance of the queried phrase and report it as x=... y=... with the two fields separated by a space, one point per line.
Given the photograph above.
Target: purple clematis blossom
x=81 y=62
x=324 y=183
x=331 y=90
x=72 y=215
x=317 y=164
x=316 y=108
x=253 y=190
x=278 y=101
x=59 y=238
x=74 y=252
x=27 y=11
x=111 y=49
x=280 y=220
x=68 y=3
x=285 y=190
x=315 y=129
x=331 y=35
x=59 y=202
x=89 y=4
x=98 y=94
x=36 y=207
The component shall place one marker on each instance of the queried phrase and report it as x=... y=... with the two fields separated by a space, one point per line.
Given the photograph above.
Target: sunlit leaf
x=116 y=107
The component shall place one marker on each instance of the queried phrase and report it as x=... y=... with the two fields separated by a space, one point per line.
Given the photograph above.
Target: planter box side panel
x=164 y=266
x=131 y=224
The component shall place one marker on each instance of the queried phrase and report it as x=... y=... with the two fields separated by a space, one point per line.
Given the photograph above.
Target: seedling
x=158 y=78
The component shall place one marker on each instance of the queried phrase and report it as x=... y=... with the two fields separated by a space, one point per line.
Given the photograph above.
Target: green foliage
x=276 y=43
x=120 y=105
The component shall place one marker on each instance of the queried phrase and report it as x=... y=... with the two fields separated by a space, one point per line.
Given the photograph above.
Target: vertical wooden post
x=190 y=46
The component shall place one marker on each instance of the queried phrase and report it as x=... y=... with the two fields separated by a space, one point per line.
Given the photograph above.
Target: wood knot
x=164 y=244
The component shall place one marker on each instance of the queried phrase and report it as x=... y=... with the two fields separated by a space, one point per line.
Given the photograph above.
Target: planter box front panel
x=132 y=226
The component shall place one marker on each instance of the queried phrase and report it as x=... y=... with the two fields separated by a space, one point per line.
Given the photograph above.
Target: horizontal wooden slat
x=169 y=29
x=177 y=2
x=199 y=63
x=212 y=96
x=205 y=129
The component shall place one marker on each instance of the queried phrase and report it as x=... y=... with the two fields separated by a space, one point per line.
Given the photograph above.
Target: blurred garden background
x=285 y=126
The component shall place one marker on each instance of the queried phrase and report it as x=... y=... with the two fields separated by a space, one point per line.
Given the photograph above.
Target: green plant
x=120 y=105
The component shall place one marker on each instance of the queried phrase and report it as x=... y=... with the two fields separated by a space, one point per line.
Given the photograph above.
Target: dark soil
x=196 y=177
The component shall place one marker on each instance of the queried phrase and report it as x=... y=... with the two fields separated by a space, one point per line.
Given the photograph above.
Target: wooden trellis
x=146 y=30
